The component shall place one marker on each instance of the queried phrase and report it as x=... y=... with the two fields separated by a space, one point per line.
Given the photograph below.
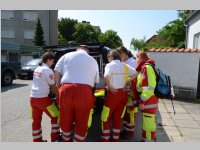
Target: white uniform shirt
x=115 y=69
x=43 y=77
x=131 y=62
x=78 y=67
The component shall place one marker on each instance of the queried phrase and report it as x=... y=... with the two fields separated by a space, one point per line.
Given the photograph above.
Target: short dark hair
x=123 y=49
x=115 y=54
x=47 y=55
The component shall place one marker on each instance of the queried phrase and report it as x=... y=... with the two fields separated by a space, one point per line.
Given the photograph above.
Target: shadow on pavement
x=94 y=133
x=13 y=86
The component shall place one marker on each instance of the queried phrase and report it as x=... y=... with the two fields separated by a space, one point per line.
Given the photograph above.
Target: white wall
x=194 y=27
x=182 y=67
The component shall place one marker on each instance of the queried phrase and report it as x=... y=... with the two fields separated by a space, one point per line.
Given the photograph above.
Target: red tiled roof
x=182 y=50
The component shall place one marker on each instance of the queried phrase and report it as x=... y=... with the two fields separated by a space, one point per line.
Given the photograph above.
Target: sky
x=127 y=23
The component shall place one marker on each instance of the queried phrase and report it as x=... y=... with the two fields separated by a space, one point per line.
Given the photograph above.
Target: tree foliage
x=111 y=38
x=84 y=32
x=171 y=35
x=66 y=27
x=39 y=37
x=138 y=44
x=61 y=39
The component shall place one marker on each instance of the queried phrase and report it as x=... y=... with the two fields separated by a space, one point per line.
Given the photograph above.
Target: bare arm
x=57 y=78
x=54 y=89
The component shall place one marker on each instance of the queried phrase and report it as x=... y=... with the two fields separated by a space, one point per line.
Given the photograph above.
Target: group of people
x=130 y=85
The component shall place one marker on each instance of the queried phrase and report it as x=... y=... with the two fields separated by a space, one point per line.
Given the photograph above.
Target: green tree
x=183 y=14
x=39 y=37
x=61 y=39
x=138 y=44
x=111 y=38
x=84 y=32
x=174 y=33
x=66 y=27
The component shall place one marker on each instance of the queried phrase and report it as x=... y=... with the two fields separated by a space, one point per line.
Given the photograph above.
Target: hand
x=141 y=106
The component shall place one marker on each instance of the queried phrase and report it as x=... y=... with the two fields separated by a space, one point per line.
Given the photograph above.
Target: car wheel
x=7 y=78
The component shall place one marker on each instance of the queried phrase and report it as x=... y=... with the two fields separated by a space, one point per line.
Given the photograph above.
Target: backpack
x=163 y=85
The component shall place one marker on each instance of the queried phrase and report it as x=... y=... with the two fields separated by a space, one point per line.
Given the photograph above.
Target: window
x=197 y=41
x=7 y=14
x=30 y=16
x=8 y=33
x=29 y=34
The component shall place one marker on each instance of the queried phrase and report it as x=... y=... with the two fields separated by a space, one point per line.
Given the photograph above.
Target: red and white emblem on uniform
x=51 y=76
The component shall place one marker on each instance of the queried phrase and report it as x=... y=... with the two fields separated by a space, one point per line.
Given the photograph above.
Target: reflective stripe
x=148 y=88
x=106 y=131
x=150 y=106
x=37 y=136
x=66 y=133
x=115 y=137
x=36 y=131
x=130 y=104
x=128 y=129
x=105 y=137
x=143 y=98
x=54 y=125
x=129 y=124
x=116 y=130
x=66 y=138
x=55 y=130
x=79 y=137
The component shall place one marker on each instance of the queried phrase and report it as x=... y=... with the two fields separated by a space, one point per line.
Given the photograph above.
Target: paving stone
x=191 y=133
x=196 y=117
x=177 y=139
x=167 y=122
x=171 y=131
x=189 y=139
x=186 y=123
x=181 y=116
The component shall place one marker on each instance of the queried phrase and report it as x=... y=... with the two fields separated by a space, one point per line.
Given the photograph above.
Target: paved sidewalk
x=182 y=127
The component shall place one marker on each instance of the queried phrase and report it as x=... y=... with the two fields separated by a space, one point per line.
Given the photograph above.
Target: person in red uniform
x=148 y=104
x=116 y=76
x=78 y=72
x=43 y=81
x=132 y=104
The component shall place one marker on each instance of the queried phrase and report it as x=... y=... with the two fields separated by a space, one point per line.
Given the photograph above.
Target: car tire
x=7 y=78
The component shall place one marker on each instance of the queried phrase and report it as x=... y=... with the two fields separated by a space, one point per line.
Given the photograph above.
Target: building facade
x=193 y=30
x=18 y=30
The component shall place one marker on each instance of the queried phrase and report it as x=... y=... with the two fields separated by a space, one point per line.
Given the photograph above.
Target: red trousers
x=76 y=102
x=39 y=105
x=116 y=103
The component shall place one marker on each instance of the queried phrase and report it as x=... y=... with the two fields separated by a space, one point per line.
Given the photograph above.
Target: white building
x=193 y=30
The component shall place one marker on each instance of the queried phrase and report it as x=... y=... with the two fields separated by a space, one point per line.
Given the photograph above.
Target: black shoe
x=59 y=139
x=125 y=136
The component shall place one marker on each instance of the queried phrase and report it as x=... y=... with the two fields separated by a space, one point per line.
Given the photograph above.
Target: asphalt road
x=15 y=120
